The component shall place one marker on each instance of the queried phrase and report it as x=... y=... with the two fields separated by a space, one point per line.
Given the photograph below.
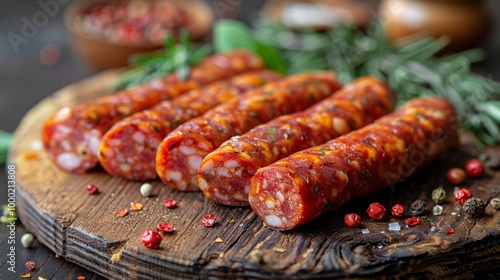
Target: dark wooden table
x=24 y=81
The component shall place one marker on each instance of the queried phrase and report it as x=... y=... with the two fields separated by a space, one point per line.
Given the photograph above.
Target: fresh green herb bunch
x=410 y=67
x=175 y=57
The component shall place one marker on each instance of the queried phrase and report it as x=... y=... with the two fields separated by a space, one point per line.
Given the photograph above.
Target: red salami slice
x=224 y=175
x=129 y=148
x=71 y=136
x=182 y=151
x=299 y=188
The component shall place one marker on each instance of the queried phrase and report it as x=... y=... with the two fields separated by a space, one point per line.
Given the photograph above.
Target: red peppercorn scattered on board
x=456 y=175
x=92 y=189
x=413 y=221
x=208 y=220
x=474 y=168
x=376 y=211
x=398 y=210
x=170 y=203
x=165 y=227
x=462 y=195
x=352 y=220
x=450 y=231
x=151 y=239
x=30 y=265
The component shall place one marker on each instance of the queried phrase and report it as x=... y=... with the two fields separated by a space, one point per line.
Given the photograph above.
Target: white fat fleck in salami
x=195 y=162
x=139 y=137
x=340 y=125
x=175 y=176
x=63 y=114
x=69 y=161
x=273 y=221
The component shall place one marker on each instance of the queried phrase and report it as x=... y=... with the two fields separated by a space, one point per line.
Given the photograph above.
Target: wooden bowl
x=101 y=54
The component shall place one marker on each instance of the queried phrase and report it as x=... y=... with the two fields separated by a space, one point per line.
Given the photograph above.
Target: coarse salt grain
x=394 y=226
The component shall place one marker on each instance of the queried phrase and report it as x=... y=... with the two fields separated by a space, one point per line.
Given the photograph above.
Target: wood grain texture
x=83 y=229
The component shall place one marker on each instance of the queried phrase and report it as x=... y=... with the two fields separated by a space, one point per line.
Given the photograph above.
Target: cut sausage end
x=129 y=150
x=179 y=158
x=72 y=150
x=231 y=171
x=276 y=199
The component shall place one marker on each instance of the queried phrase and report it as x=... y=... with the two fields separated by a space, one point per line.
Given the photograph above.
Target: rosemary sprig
x=410 y=67
x=174 y=57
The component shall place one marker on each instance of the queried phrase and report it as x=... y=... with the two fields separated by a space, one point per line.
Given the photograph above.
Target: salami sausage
x=181 y=152
x=129 y=148
x=224 y=175
x=299 y=188
x=71 y=136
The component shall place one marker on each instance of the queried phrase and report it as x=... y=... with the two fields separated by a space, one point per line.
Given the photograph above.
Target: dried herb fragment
x=473 y=207
x=136 y=206
x=30 y=156
x=122 y=213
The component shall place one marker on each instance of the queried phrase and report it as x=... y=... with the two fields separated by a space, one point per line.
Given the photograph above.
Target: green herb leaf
x=5 y=144
x=230 y=35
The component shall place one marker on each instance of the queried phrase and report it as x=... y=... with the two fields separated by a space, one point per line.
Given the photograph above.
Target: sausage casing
x=224 y=175
x=309 y=183
x=181 y=152
x=71 y=136
x=129 y=148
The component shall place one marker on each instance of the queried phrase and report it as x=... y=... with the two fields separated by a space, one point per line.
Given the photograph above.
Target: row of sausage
x=292 y=148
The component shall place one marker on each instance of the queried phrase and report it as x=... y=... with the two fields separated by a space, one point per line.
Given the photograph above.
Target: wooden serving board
x=83 y=229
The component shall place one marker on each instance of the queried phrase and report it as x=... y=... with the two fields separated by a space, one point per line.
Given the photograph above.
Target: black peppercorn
x=473 y=207
x=418 y=207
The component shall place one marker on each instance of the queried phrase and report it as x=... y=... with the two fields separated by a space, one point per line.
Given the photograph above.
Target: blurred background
x=33 y=68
